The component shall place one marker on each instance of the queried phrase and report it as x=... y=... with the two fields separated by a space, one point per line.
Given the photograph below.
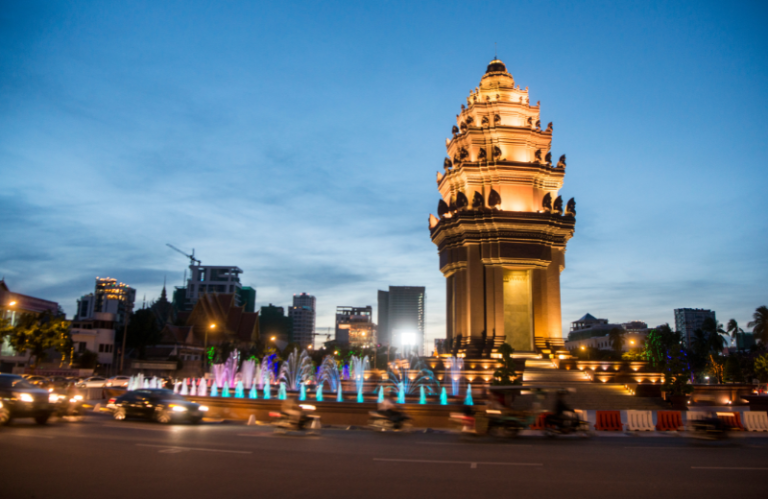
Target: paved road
x=103 y=458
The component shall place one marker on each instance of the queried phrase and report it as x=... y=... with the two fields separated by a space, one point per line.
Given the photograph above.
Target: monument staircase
x=588 y=395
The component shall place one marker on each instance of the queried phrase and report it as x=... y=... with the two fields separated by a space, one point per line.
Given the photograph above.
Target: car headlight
x=25 y=397
x=203 y=408
x=178 y=408
x=77 y=397
x=54 y=397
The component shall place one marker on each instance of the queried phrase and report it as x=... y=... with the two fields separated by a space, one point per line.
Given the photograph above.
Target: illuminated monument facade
x=502 y=227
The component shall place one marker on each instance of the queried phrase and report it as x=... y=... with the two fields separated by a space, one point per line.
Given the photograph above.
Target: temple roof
x=588 y=317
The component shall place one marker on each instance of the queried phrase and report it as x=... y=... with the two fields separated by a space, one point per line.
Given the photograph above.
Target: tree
x=658 y=342
x=760 y=324
x=734 y=330
x=38 y=333
x=732 y=370
x=677 y=372
x=761 y=368
x=506 y=375
x=616 y=339
x=143 y=331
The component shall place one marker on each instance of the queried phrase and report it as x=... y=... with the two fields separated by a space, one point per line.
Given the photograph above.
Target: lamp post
x=128 y=310
x=211 y=327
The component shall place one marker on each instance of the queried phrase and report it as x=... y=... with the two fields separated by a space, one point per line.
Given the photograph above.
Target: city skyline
x=311 y=165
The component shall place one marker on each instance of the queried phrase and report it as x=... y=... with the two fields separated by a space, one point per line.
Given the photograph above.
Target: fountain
x=329 y=372
x=219 y=374
x=176 y=386
x=247 y=371
x=339 y=397
x=253 y=393
x=225 y=390
x=422 y=395
x=267 y=392
x=405 y=375
x=443 y=397
x=456 y=365
x=239 y=390
x=230 y=366
x=297 y=369
x=214 y=389
x=345 y=372
x=202 y=387
x=302 y=392
x=192 y=388
x=360 y=395
x=468 y=399
x=381 y=395
x=281 y=395
x=359 y=366
x=184 y=389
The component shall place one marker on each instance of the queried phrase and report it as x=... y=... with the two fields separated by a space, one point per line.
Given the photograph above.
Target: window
x=81 y=347
x=101 y=347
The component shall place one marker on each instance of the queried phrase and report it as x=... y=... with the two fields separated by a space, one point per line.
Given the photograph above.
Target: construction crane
x=192 y=259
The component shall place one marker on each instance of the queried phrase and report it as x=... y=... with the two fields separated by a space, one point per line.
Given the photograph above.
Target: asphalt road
x=103 y=458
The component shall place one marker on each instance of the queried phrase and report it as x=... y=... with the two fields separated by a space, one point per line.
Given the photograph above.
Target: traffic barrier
x=609 y=421
x=541 y=421
x=669 y=421
x=695 y=416
x=732 y=420
x=755 y=420
x=639 y=421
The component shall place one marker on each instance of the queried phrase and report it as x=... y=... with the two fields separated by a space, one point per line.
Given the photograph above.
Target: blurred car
x=36 y=380
x=22 y=399
x=118 y=381
x=160 y=405
x=92 y=382
x=57 y=383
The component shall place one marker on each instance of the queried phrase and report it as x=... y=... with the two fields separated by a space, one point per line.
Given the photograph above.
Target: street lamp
x=205 y=346
x=272 y=339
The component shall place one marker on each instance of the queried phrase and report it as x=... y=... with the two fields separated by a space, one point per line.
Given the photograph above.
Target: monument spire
x=503 y=251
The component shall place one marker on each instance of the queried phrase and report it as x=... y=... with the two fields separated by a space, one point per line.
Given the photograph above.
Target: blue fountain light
x=443 y=397
x=281 y=395
x=214 y=390
x=319 y=393
x=225 y=390
x=400 y=393
x=381 y=395
x=267 y=394
x=339 y=397
x=422 y=395
x=468 y=399
x=360 y=395
x=253 y=393
x=302 y=391
x=239 y=390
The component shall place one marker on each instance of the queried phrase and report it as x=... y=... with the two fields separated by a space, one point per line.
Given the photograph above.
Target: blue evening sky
x=300 y=141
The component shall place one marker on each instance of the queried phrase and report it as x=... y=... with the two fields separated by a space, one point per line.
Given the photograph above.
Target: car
x=160 y=405
x=118 y=381
x=21 y=399
x=37 y=380
x=92 y=382
x=56 y=383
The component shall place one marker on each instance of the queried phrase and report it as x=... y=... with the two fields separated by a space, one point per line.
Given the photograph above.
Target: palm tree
x=734 y=330
x=760 y=324
x=616 y=339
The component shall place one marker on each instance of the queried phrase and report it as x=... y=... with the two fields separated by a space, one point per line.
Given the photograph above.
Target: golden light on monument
x=501 y=227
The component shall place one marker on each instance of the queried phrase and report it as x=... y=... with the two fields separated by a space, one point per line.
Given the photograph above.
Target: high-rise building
x=688 y=320
x=401 y=318
x=303 y=315
x=354 y=327
x=502 y=227
x=109 y=297
x=273 y=323
x=248 y=298
x=222 y=279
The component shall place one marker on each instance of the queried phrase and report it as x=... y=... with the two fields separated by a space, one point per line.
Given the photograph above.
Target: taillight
x=112 y=401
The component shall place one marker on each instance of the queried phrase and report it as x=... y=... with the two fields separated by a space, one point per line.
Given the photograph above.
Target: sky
x=300 y=140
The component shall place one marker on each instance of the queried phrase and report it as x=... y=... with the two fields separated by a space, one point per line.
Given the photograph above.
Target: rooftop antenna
x=495 y=51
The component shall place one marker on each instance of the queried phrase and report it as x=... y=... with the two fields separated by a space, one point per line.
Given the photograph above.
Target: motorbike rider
x=561 y=414
x=293 y=412
x=388 y=408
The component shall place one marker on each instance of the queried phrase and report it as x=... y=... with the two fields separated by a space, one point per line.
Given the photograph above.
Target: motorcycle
x=709 y=428
x=492 y=422
x=388 y=421
x=566 y=424
x=302 y=423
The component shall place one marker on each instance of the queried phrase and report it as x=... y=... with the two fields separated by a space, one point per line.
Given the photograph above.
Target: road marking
x=262 y=434
x=173 y=448
x=134 y=427
x=511 y=444
x=726 y=468
x=472 y=464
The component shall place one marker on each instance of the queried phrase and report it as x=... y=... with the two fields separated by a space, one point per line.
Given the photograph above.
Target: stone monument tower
x=502 y=227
